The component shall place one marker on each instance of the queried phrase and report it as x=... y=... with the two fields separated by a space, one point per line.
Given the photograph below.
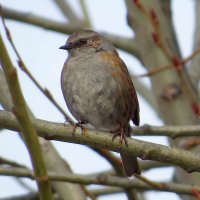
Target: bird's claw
x=122 y=137
x=79 y=124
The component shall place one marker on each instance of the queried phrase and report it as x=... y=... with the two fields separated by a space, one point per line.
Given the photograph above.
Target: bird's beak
x=67 y=46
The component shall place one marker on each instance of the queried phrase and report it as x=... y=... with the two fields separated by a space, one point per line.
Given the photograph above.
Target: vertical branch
x=28 y=131
x=194 y=66
x=87 y=20
x=67 y=10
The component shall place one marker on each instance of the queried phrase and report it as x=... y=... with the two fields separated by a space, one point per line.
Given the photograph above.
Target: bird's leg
x=121 y=133
x=79 y=124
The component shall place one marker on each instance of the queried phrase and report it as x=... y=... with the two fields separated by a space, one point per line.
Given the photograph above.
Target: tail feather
x=130 y=162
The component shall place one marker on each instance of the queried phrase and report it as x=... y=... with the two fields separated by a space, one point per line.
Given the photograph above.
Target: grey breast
x=90 y=91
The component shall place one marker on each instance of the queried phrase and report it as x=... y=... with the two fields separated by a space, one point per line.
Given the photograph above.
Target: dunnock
x=98 y=89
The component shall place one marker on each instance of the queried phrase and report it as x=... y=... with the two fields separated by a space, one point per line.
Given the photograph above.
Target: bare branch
x=145 y=150
x=5 y=98
x=125 y=44
x=106 y=191
x=40 y=21
x=194 y=69
x=67 y=10
x=104 y=180
x=87 y=20
x=30 y=196
x=52 y=159
x=4 y=161
x=23 y=67
x=170 y=131
x=26 y=126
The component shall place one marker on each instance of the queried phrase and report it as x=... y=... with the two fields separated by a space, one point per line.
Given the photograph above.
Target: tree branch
x=106 y=191
x=67 y=11
x=42 y=22
x=5 y=98
x=52 y=159
x=24 y=68
x=26 y=127
x=170 y=131
x=87 y=20
x=129 y=45
x=125 y=44
x=7 y=120
x=145 y=150
x=30 y=196
x=194 y=69
x=4 y=161
x=103 y=180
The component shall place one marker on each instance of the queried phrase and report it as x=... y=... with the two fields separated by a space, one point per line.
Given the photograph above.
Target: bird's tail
x=130 y=162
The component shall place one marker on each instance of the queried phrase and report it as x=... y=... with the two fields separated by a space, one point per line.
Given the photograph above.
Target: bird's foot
x=122 y=137
x=79 y=124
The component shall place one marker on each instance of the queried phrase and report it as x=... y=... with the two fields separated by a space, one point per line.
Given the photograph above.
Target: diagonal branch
x=26 y=126
x=125 y=44
x=42 y=22
x=129 y=45
x=53 y=161
x=67 y=11
x=23 y=67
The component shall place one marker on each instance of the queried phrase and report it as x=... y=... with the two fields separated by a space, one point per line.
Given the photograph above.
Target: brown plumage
x=98 y=89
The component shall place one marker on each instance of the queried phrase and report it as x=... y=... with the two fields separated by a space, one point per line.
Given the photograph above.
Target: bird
x=98 y=89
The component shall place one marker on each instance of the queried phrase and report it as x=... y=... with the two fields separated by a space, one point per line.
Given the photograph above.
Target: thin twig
x=26 y=126
x=149 y=182
x=112 y=159
x=5 y=161
x=173 y=59
x=189 y=58
x=154 y=71
x=22 y=183
x=23 y=67
x=88 y=193
x=43 y=22
x=157 y=70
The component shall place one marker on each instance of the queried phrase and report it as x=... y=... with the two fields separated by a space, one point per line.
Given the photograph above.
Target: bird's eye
x=82 y=41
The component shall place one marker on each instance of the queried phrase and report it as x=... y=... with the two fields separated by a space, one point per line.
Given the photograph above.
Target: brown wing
x=136 y=116
x=119 y=64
